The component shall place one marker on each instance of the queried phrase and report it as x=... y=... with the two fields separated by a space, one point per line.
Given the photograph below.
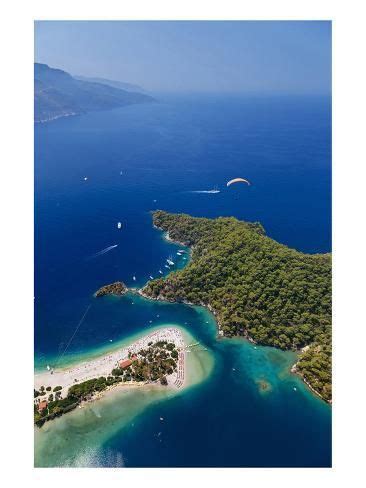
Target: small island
x=155 y=359
x=256 y=288
x=117 y=288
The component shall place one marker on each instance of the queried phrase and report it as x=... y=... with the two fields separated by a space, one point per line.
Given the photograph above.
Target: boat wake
x=73 y=335
x=103 y=251
x=205 y=191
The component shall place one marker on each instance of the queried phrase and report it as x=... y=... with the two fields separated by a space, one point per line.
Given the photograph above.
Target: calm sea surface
x=140 y=158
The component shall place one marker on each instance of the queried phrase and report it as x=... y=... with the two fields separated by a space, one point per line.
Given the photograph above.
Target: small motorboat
x=119 y=225
x=160 y=271
x=134 y=278
x=85 y=178
x=151 y=277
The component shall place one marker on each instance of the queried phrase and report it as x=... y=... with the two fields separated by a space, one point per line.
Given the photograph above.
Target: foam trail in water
x=204 y=191
x=103 y=251
x=73 y=335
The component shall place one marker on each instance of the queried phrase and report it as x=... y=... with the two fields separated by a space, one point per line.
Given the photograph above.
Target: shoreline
x=167 y=237
x=131 y=385
x=103 y=365
x=293 y=369
x=104 y=349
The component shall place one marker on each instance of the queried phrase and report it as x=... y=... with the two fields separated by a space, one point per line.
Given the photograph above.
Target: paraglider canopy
x=237 y=180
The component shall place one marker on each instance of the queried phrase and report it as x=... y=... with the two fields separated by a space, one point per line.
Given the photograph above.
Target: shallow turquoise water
x=75 y=438
x=227 y=404
x=247 y=403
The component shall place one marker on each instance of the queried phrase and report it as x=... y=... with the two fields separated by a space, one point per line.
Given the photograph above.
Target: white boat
x=85 y=178
x=134 y=278
x=119 y=225
x=160 y=271
x=48 y=368
x=179 y=253
x=215 y=189
x=151 y=277
x=166 y=266
x=169 y=261
x=181 y=250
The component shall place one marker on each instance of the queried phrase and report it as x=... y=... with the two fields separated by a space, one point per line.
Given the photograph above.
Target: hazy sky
x=274 y=57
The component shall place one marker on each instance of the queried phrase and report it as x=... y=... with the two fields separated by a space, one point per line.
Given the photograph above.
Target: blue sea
x=96 y=170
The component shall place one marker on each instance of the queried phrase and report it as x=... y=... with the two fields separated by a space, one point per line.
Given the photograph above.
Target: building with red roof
x=42 y=405
x=125 y=363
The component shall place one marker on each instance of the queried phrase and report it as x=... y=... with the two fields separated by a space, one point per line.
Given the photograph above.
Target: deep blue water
x=165 y=151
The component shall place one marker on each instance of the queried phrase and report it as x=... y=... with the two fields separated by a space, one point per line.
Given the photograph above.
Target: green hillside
x=256 y=287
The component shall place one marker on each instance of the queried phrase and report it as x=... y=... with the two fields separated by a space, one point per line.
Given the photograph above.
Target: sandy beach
x=103 y=365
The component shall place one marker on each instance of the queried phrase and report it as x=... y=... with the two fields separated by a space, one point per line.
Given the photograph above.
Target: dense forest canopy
x=256 y=287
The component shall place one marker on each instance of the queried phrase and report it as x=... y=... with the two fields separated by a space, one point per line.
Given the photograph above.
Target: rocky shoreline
x=210 y=308
x=295 y=371
x=120 y=288
x=221 y=334
x=169 y=239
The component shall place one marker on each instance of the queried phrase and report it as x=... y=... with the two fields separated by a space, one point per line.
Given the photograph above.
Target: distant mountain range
x=116 y=84
x=58 y=94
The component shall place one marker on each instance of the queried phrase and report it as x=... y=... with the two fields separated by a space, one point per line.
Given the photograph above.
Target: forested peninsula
x=256 y=287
